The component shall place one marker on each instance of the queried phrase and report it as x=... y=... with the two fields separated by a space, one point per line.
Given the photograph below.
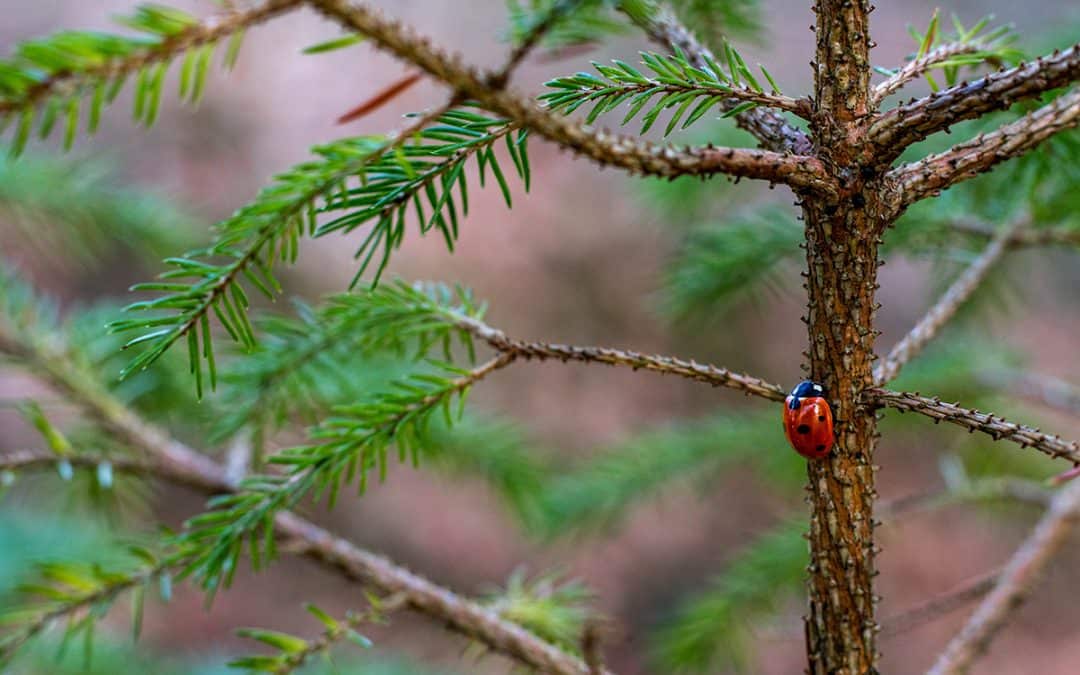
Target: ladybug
x=808 y=422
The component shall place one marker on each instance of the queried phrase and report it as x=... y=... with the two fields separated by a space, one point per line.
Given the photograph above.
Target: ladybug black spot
x=820 y=418
x=803 y=429
x=821 y=448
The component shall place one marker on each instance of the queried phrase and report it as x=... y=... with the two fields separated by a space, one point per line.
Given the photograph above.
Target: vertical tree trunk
x=842 y=259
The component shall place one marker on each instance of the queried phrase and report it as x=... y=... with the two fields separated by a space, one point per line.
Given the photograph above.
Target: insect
x=808 y=422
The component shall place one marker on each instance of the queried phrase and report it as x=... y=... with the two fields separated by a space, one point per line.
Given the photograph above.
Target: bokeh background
x=581 y=259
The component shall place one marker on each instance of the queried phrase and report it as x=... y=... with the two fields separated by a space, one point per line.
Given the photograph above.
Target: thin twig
x=940 y=605
x=973 y=420
x=929 y=176
x=945 y=308
x=207 y=32
x=556 y=13
x=916 y=68
x=767 y=126
x=1049 y=391
x=1016 y=582
x=898 y=128
x=1031 y=236
x=718 y=377
x=633 y=154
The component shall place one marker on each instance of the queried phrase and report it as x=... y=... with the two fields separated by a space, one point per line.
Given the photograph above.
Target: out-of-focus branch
x=898 y=128
x=173 y=459
x=1045 y=236
x=1015 y=584
x=632 y=154
x=930 y=175
x=940 y=605
x=945 y=308
x=199 y=34
x=719 y=377
x=973 y=420
x=916 y=68
x=559 y=10
x=24 y=460
x=767 y=126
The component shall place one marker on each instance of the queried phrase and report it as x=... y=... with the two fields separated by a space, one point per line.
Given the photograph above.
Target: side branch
x=945 y=308
x=929 y=176
x=635 y=155
x=973 y=420
x=893 y=131
x=207 y=32
x=178 y=461
x=1016 y=582
x=920 y=66
x=1048 y=236
x=767 y=126
x=718 y=377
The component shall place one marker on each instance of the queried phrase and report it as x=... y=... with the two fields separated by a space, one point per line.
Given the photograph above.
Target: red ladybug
x=808 y=422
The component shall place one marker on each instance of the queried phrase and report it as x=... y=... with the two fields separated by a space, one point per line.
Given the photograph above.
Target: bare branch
x=718 y=377
x=24 y=460
x=906 y=124
x=945 y=308
x=207 y=32
x=916 y=68
x=1016 y=582
x=1043 y=236
x=664 y=28
x=939 y=606
x=543 y=25
x=973 y=420
x=173 y=459
x=633 y=154
x=929 y=176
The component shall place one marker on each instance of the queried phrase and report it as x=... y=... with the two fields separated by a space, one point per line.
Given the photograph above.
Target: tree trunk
x=842 y=261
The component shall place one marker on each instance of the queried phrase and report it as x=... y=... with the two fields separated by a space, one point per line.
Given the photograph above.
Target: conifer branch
x=1015 y=584
x=929 y=176
x=918 y=67
x=940 y=605
x=26 y=460
x=906 y=124
x=47 y=357
x=945 y=308
x=771 y=130
x=718 y=377
x=542 y=25
x=1026 y=236
x=993 y=425
x=635 y=155
x=63 y=68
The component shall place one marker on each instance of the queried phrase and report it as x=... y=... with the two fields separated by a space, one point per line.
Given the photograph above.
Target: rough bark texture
x=842 y=261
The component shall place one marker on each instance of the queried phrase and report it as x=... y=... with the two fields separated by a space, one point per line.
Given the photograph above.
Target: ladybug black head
x=806 y=389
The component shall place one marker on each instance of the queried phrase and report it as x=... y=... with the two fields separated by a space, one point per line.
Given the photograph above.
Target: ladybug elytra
x=808 y=422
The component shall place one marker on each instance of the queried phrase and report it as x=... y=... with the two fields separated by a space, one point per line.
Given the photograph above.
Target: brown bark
x=842 y=261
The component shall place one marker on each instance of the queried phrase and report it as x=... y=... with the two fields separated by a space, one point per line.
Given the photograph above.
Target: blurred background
x=586 y=257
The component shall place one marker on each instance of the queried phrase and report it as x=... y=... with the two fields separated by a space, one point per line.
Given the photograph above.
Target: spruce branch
x=16 y=461
x=635 y=155
x=945 y=308
x=966 y=48
x=674 y=84
x=993 y=425
x=898 y=128
x=344 y=448
x=44 y=353
x=80 y=593
x=661 y=25
x=1014 y=585
x=59 y=70
x=718 y=377
x=295 y=652
x=541 y=24
x=929 y=176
